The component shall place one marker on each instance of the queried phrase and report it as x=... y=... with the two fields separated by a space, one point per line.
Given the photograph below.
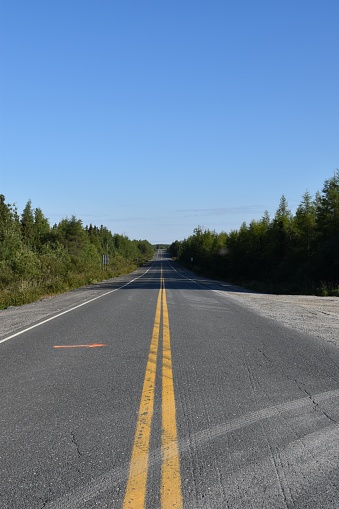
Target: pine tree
x=304 y=226
x=327 y=215
x=27 y=224
x=41 y=229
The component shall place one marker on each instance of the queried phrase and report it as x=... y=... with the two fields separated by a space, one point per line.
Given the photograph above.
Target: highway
x=161 y=392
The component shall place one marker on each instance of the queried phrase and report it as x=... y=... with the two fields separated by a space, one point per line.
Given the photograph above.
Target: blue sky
x=154 y=117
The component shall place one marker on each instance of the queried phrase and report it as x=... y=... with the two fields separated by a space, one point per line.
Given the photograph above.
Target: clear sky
x=152 y=117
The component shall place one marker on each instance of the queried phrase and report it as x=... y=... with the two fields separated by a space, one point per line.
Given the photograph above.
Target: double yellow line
x=170 y=490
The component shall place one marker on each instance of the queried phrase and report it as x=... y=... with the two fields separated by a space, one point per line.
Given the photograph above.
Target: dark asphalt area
x=256 y=403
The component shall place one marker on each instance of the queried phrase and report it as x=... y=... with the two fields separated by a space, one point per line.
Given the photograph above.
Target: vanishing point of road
x=161 y=392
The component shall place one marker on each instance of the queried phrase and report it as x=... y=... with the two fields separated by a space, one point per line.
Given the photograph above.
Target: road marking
x=94 y=345
x=78 y=498
x=135 y=495
x=171 y=496
x=72 y=309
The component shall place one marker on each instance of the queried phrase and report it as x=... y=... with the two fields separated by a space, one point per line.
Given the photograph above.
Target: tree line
x=294 y=253
x=38 y=259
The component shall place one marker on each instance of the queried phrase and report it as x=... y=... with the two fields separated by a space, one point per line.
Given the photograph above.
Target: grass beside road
x=25 y=292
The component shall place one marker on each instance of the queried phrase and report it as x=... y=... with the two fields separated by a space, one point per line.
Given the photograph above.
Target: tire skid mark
x=117 y=476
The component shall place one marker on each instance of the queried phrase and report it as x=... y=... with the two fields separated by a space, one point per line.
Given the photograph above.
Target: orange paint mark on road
x=94 y=345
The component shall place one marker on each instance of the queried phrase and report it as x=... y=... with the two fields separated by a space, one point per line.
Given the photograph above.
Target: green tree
x=328 y=207
x=327 y=216
x=70 y=233
x=279 y=242
x=41 y=229
x=27 y=224
x=305 y=229
x=9 y=219
x=174 y=249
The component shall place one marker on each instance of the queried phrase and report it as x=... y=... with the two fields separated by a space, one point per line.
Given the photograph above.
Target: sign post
x=105 y=261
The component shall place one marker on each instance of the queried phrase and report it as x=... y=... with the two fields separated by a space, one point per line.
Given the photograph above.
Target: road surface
x=159 y=391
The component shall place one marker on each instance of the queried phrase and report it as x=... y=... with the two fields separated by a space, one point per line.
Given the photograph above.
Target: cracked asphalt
x=256 y=384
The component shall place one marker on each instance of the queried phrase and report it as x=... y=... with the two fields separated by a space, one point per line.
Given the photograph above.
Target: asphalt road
x=185 y=399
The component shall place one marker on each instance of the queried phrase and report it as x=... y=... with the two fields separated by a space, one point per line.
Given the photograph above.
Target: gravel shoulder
x=310 y=314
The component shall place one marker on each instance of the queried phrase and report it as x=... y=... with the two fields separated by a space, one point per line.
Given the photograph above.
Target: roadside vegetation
x=285 y=254
x=37 y=259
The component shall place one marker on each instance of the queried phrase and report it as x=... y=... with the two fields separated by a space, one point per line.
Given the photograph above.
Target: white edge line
x=72 y=309
x=219 y=292
x=185 y=277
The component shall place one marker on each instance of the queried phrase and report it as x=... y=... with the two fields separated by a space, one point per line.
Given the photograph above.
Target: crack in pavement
x=75 y=443
x=76 y=498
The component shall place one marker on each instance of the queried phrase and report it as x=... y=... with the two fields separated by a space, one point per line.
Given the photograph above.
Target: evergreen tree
x=41 y=229
x=327 y=215
x=9 y=219
x=27 y=224
x=305 y=229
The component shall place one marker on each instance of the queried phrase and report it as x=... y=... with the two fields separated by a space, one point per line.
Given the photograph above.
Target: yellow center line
x=171 y=496
x=135 y=495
